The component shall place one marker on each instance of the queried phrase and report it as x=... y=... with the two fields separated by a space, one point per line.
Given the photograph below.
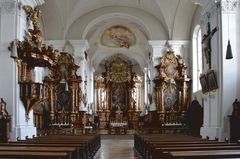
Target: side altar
x=171 y=90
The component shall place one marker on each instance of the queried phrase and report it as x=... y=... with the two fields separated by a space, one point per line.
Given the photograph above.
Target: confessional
x=234 y=120
x=194 y=118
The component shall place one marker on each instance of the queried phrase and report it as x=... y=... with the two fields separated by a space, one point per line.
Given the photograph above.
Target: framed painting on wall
x=204 y=83
x=212 y=80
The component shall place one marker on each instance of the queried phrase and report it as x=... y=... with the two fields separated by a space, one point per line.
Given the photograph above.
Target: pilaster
x=80 y=47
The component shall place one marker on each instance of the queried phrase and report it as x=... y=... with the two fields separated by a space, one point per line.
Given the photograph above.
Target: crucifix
x=206 y=44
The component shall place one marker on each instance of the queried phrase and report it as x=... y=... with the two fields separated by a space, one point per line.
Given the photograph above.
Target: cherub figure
x=35 y=33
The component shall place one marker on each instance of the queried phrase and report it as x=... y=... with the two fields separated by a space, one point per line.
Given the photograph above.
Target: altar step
x=105 y=132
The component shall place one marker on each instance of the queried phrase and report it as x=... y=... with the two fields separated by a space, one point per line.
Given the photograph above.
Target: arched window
x=197 y=58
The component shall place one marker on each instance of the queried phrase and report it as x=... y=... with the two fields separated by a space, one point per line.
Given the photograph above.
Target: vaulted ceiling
x=147 y=19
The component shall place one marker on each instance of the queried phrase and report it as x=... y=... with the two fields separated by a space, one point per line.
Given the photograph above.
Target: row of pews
x=52 y=147
x=171 y=146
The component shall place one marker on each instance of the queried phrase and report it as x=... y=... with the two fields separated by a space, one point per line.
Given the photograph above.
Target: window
x=197 y=58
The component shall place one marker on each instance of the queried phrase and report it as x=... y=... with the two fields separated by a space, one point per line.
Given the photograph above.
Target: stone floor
x=116 y=147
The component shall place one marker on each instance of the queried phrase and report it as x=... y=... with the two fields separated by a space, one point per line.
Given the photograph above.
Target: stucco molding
x=8 y=6
x=230 y=5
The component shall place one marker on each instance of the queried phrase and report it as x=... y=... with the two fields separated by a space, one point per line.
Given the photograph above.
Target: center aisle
x=116 y=147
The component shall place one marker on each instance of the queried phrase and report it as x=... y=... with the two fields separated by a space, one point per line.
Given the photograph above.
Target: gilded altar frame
x=172 y=89
x=118 y=76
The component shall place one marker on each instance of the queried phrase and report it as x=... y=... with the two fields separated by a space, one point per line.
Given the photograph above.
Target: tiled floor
x=116 y=147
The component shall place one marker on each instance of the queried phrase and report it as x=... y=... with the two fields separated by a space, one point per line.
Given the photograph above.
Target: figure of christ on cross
x=206 y=44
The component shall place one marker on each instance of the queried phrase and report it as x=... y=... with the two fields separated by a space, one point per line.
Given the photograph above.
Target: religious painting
x=170 y=97
x=212 y=80
x=118 y=99
x=63 y=98
x=204 y=83
x=118 y=36
x=169 y=66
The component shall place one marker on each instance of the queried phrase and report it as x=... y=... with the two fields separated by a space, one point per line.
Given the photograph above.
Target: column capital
x=80 y=46
x=58 y=44
x=157 y=43
x=33 y=2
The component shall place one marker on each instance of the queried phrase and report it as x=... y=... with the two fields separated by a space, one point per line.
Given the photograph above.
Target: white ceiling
x=147 y=19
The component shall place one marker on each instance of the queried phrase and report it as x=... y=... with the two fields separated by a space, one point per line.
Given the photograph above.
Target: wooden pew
x=86 y=145
x=33 y=155
x=91 y=143
x=177 y=146
x=145 y=144
x=80 y=151
x=163 y=152
x=207 y=154
x=150 y=150
x=71 y=151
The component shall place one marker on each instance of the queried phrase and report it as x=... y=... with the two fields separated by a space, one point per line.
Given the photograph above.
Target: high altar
x=114 y=92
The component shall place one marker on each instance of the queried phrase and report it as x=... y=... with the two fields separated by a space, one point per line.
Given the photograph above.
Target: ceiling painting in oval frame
x=118 y=36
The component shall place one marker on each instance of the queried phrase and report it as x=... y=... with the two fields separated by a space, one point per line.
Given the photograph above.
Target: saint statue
x=3 y=111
